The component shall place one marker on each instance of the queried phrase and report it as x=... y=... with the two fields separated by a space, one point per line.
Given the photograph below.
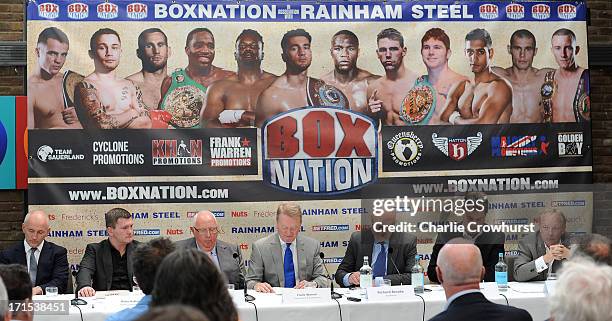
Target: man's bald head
x=205 y=230
x=35 y=227
x=203 y=216
x=460 y=264
x=36 y=217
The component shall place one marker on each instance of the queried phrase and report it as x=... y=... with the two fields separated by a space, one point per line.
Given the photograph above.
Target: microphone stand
x=76 y=300
x=393 y=262
x=334 y=295
x=247 y=296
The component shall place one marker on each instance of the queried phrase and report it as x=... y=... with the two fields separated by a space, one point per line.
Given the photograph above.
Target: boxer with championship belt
x=183 y=100
x=547 y=90
x=322 y=94
x=419 y=104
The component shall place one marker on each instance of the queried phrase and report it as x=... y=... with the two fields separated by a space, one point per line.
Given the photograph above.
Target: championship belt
x=547 y=91
x=319 y=93
x=582 y=102
x=184 y=103
x=69 y=83
x=418 y=105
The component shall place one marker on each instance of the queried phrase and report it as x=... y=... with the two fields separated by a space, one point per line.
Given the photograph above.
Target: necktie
x=380 y=266
x=33 y=265
x=289 y=268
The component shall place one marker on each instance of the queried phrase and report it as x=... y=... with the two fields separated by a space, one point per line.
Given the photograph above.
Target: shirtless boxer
x=565 y=93
x=346 y=76
x=108 y=100
x=386 y=94
x=184 y=92
x=526 y=80
x=231 y=102
x=488 y=98
x=46 y=105
x=294 y=89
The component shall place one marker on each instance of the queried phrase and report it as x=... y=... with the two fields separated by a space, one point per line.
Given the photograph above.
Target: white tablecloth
x=530 y=297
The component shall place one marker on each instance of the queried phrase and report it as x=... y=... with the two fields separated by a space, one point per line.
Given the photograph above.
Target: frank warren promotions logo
x=405 y=148
x=167 y=152
x=320 y=150
x=457 y=148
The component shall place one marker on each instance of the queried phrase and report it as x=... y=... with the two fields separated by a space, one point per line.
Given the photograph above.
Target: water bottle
x=365 y=274
x=418 y=278
x=501 y=274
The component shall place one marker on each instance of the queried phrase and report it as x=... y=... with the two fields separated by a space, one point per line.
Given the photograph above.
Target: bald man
x=460 y=270
x=205 y=230
x=47 y=263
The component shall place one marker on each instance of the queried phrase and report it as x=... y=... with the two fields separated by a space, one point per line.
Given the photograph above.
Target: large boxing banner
x=168 y=107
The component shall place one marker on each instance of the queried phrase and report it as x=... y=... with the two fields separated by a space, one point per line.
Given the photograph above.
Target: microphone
x=76 y=300
x=393 y=262
x=247 y=296
x=335 y=295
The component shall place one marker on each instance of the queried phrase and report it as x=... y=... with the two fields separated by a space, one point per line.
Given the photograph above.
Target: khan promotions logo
x=570 y=144
x=457 y=148
x=511 y=146
x=107 y=11
x=48 y=10
x=78 y=11
x=405 y=148
x=489 y=11
x=320 y=150
x=137 y=11
x=169 y=152
x=47 y=153
x=566 y=11
x=540 y=11
x=230 y=152
x=515 y=11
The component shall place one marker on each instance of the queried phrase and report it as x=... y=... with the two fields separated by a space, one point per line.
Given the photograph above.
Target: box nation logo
x=107 y=11
x=48 y=10
x=137 y=11
x=566 y=11
x=540 y=11
x=488 y=11
x=78 y=11
x=515 y=11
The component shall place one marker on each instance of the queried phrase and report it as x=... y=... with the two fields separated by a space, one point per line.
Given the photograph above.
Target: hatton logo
x=107 y=11
x=515 y=11
x=489 y=11
x=137 y=11
x=320 y=150
x=168 y=152
x=510 y=146
x=78 y=11
x=48 y=10
x=566 y=11
x=540 y=11
x=457 y=148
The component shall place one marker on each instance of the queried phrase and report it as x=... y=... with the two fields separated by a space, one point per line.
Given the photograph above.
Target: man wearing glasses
x=226 y=256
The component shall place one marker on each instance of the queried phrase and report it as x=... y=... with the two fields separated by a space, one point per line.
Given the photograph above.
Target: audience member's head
x=146 y=260
x=5 y=314
x=583 y=292
x=190 y=277
x=18 y=287
x=594 y=246
x=174 y=312
x=459 y=266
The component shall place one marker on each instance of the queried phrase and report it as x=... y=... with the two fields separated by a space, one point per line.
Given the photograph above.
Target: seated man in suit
x=205 y=230
x=459 y=271
x=383 y=248
x=543 y=253
x=490 y=244
x=107 y=265
x=19 y=290
x=46 y=262
x=286 y=258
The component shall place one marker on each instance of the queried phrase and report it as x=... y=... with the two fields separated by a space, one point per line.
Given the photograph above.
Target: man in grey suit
x=226 y=256
x=286 y=258
x=543 y=253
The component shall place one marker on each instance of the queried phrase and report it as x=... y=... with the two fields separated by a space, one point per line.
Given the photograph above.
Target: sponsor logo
x=215 y=213
x=244 y=246
x=48 y=10
x=252 y=229
x=230 y=152
x=332 y=260
x=107 y=11
x=566 y=11
x=515 y=11
x=172 y=152
x=570 y=144
x=330 y=228
x=425 y=256
x=540 y=11
x=320 y=211
x=320 y=150
x=511 y=146
x=156 y=215
x=571 y=203
x=264 y=213
x=76 y=217
x=513 y=221
x=457 y=148
x=424 y=241
x=147 y=232
x=240 y=213
x=47 y=153
x=78 y=11
x=488 y=11
x=65 y=233
x=174 y=231
x=405 y=148
x=51 y=217
x=136 y=11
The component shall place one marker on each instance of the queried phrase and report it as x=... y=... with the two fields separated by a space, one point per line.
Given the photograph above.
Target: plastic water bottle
x=418 y=278
x=501 y=274
x=365 y=274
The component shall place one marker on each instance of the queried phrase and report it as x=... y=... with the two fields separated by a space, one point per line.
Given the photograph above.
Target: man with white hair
x=5 y=313
x=582 y=292
x=459 y=271
x=226 y=256
x=47 y=262
x=594 y=246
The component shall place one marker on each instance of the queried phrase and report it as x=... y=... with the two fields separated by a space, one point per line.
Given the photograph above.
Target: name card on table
x=385 y=293
x=237 y=296
x=306 y=295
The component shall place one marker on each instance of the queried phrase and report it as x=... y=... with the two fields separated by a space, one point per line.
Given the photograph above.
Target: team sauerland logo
x=78 y=11
x=48 y=10
x=320 y=150
x=457 y=148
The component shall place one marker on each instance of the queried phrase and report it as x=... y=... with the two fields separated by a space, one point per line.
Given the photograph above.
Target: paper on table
x=532 y=287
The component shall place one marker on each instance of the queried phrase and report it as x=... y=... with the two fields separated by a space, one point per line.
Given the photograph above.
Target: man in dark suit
x=107 y=265
x=46 y=262
x=460 y=271
x=205 y=230
x=377 y=245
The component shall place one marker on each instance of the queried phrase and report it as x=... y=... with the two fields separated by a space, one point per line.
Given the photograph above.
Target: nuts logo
x=515 y=11
x=566 y=11
x=48 y=10
x=540 y=11
x=137 y=11
x=489 y=11
x=107 y=11
x=78 y=11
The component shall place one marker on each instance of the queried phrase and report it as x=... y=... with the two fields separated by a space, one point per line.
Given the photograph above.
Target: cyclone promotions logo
x=78 y=11
x=320 y=150
x=510 y=146
x=488 y=11
x=170 y=152
x=540 y=11
x=566 y=11
x=48 y=10
x=570 y=144
x=457 y=148
x=405 y=148
x=137 y=11
x=515 y=11
x=107 y=11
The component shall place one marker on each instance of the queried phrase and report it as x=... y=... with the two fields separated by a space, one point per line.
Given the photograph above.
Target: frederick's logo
x=457 y=148
x=107 y=11
x=320 y=150
x=540 y=11
x=566 y=11
x=137 y=11
x=488 y=11
x=515 y=11
x=169 y=152
x=78 y=11
x=510 y=146
x=48 y=10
